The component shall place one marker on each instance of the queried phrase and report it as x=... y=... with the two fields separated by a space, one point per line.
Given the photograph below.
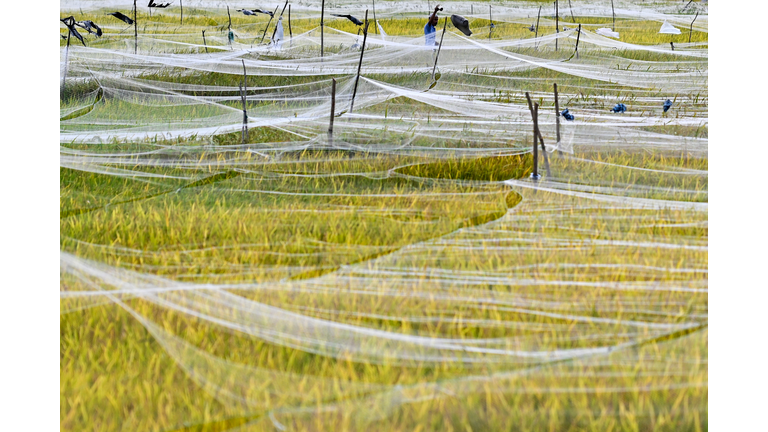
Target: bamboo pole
x=66 y=63
x=135 y=30
x=333 y=106
x=557 y=21
x=375 y=23
x=445 y=23
x=690 y=33
x=613 y=13
x=205 y=44
x=281 y=15
x=181 y=3
x=243 y=95
x=490 y=15
x=537 y=28
x=229 y=28
x=322 y=16
x=270 y=22
x=535 y=174
x=557 y=115
x=290 y=32
x=578 y=36
x=537 y=133
x=573 y=20
x=360 y=64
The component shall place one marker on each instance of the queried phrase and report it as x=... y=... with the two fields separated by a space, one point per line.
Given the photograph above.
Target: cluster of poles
x=538 y=139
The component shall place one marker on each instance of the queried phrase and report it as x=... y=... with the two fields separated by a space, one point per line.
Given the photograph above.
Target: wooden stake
x=613 y=12
x=557 y=22
x=445 y=23
x=557 y=115
x=243 y=92
x=535 y=175
x=206 y=45
x=578 y=36
x=376 y=24
x=229 y=28
x=490 y=14
x=322 y=15
x=690 y=33
x=270 y=22
x=135 y=30
x=333 y=106
x=537 y=28
x=290 y=32
x=359 y=65
x=537 y=133
x=66 y=63
x=281 y=15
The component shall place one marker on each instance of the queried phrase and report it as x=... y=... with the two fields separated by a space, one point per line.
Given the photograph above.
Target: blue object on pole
x=619 y=108
x=667 y=105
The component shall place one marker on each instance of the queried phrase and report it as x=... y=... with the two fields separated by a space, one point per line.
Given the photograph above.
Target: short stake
x=359 y=65
x=205 y=44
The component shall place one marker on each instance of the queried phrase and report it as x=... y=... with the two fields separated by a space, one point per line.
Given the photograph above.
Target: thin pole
x=359 y=65
x=543 y=149
x=229 y=28
x=206 y=45
x=243 y=92
x=333 y=105
x=490 y=13
x=322 y=16
x=571 y=8
x=537 y=28
x=690 y=33
x=281 y=15
x=270 y=22
x=557 y=21
x=290 y=32
x=181 y=3
x=66 y=62
x=135 y=30
x=578 y=36
x=376 y=24
x=613 y=12
x=535 y=174
x=557 y=114
x=445 y=23
x=537 y=133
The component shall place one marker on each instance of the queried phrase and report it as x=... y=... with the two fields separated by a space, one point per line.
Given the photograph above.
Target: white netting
x=345 y=248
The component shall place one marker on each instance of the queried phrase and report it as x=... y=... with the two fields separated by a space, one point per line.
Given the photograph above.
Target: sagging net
x=404 y=269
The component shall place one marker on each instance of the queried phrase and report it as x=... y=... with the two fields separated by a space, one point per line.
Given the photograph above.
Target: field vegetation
x=427 y=234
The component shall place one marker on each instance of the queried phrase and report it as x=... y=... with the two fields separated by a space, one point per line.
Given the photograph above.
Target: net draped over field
x=346 y=252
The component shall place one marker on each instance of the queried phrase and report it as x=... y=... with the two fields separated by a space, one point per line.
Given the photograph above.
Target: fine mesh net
x=404 y=269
